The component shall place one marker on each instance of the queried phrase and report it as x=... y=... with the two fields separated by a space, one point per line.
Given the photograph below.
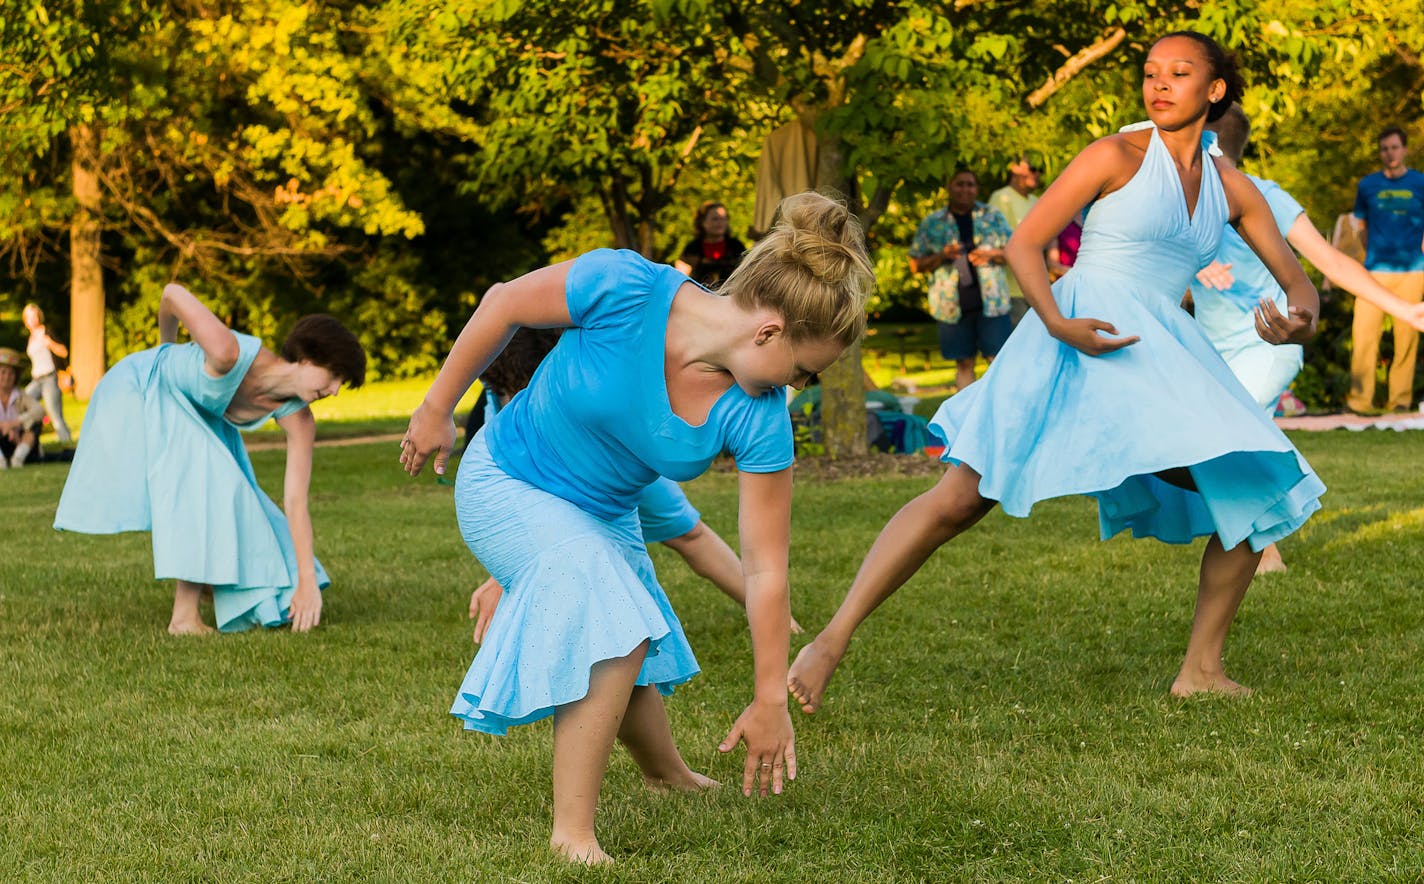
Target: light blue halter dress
x=156 y=454
x=1047 y=420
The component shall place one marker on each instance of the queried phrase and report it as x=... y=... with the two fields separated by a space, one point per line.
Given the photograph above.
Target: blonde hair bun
x=812 y=268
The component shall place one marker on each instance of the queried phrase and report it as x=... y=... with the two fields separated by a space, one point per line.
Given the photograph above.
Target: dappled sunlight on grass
x=1391 y=526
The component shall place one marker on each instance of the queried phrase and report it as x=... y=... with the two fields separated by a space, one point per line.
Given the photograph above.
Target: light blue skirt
x=577 y=590
x=1048 y=421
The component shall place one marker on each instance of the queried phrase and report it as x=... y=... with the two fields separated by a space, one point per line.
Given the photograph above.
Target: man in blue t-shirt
x=1390 y=206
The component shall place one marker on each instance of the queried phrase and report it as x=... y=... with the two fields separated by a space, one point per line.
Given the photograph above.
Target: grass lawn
x=1005 y=717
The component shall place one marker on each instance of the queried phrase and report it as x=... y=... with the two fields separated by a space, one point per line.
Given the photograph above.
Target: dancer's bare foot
x=692 y=781
x=1199 y=682
x=189 y=627
x=1271 y=561
x=584 y=851
x=811 y=672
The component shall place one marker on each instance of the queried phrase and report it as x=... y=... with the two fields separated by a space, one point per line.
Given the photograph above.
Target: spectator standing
x=1013 y=201
x=715 y=253
x=1390 y=207
x=962 y=248
x=44 y=374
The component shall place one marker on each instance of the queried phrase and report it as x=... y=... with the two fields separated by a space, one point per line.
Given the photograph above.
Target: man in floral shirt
x=962 y=248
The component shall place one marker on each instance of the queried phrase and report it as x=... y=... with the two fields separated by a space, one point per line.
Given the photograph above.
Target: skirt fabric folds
x=578 y=590
x=1047 y=421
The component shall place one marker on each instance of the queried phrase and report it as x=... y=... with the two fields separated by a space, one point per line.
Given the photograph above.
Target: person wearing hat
x=1013 y=201
x=20 y=415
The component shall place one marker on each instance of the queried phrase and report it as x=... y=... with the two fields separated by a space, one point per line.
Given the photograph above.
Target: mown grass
x=1005 y=717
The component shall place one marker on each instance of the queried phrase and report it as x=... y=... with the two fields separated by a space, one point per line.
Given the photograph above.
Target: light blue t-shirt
x=1393 y=211
x=1226 y=314
x=595 y=427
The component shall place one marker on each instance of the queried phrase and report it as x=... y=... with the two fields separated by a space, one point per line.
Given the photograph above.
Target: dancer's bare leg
x=186 y=620
x=583 y=738
x=920 y=527
x=1271 y=561
x=710 y=558
x=1225 y=575
x=648 y=736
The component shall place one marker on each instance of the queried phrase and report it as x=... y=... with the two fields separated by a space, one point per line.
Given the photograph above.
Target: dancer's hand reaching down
x=483 y=603
x=429 y=433
x=306 y=606
x=771 y=746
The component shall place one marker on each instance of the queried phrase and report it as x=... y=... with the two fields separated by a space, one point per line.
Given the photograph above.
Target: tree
x=217 y=143
x=605 y=98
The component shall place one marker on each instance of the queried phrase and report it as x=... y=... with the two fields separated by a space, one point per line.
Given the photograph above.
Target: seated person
x=20 y=415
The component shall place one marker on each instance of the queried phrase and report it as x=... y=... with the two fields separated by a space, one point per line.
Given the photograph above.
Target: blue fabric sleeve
x=1362 y=202
x=1284 y=207
x=291 y=406
x=762 y=441
x=607 y=287
x=185 y=369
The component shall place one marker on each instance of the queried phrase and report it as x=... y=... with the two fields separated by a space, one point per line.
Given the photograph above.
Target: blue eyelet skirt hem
x=1048 y=421
x=578 y=590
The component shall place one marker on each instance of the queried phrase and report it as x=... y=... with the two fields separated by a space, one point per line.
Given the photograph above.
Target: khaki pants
x=1369 y=323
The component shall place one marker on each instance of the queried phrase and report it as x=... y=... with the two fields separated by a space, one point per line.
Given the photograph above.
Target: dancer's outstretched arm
x=300 y=428
x=536 y=300
x=1350 y=274
x=207 y=331
x=764 y=520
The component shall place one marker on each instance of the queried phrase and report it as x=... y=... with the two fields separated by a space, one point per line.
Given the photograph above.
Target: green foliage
x=387 y=159
x=567 y=100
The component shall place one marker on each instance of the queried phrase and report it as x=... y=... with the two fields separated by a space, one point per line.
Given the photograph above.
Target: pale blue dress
x=1047 y=420
x=156 y=454
x=1228 y=316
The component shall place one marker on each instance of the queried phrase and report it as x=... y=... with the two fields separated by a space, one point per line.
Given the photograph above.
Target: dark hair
x=699 y=218
x=513 y=368
x=1233 y=132
x=1223 y=67
x=960 y=170
x=1394 y=130
x=323 y=341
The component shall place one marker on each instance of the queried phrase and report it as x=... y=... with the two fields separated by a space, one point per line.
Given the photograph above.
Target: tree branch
x=1075 y=65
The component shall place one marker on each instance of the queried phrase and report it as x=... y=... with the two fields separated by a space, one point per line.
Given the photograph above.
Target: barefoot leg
x=186 y=620
x=920 y=527
x=1225 y=575
x=583 y=738
x=648 y=736
x=1271 y=561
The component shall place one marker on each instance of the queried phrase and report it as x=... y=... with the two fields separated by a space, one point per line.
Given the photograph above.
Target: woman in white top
x=45 y=374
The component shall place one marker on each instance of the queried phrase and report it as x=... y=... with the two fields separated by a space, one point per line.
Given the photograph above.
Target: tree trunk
x=86 y=285
x=843 y=384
